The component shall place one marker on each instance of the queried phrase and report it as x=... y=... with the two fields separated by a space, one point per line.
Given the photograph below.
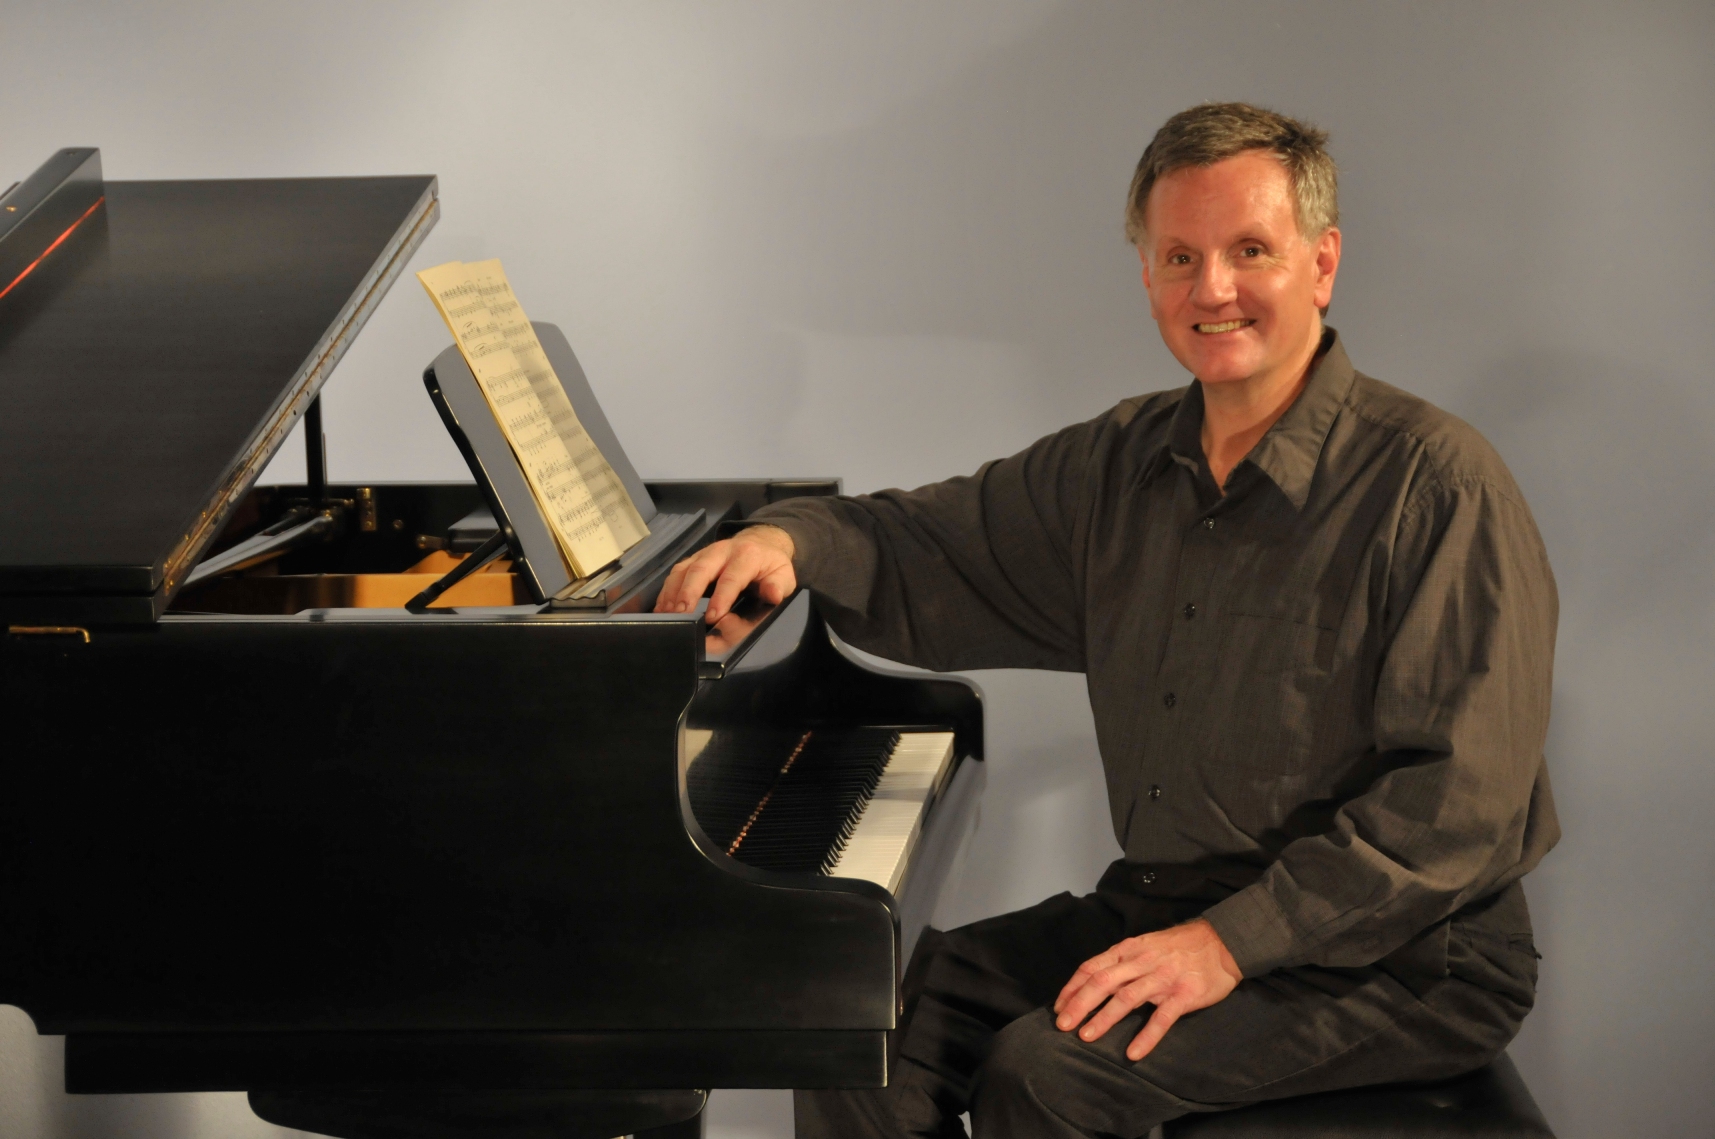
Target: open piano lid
x=153 y=357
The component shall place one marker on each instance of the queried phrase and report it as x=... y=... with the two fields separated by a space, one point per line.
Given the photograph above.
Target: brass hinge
x=49 y=631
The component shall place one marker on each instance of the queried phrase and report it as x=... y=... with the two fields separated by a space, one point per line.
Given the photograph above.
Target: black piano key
x=807 y=811
x=732 y=775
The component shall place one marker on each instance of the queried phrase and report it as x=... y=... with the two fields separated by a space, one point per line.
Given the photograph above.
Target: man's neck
x=1239 y=413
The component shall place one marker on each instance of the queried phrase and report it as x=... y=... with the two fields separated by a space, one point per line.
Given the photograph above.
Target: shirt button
x=1170 y=699
x=1147 y=877
x=1190 y=611
x=1208 y=523
x=1155 y=790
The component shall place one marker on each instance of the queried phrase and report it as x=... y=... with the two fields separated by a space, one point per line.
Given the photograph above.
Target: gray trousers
x=979 y=1036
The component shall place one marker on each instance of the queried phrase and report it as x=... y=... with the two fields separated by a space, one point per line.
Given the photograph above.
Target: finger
x=1131 y=957
x=1081 y=981
x=777 y=585
x=1098 y=987
x=703 y=568
x=1163 y=1018
x=668 y=599
x=742 y=569
x=1122 y=1004
x=674 y=590
x=1081 y=976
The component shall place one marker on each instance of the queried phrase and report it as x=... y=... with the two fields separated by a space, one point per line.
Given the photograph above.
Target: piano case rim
x=107 y=1063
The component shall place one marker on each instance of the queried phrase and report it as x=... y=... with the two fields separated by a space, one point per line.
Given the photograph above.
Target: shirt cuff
x=1255 y=930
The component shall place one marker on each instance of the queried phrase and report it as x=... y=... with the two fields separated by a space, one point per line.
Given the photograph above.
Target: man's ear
x=1327 y=265
x=1143 y=256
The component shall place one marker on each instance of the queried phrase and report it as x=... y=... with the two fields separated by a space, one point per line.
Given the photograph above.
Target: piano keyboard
x=848 y=803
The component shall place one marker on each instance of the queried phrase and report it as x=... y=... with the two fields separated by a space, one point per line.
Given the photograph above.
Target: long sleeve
x=973 y=572
x=1460 y=808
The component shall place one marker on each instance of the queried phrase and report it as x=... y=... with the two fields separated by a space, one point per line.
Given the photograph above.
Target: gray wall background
x=882 y=240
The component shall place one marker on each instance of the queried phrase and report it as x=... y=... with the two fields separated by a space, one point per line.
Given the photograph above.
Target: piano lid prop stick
x=473 y=561
x=315 y=454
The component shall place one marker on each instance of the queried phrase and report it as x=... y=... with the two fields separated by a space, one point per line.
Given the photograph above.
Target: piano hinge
x=366 y=520
x=49 y=631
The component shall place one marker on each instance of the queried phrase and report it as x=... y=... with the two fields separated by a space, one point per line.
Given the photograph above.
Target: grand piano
x=499 y=858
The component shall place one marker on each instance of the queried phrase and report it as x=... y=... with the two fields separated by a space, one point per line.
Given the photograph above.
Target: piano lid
x=154 y=359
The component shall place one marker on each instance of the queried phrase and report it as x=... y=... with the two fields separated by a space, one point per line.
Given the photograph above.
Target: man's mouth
x=1223 y=326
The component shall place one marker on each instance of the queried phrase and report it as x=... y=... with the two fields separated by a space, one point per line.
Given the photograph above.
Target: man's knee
x=1031 y=1050
x=1037 y=1069
x=1034 y=1059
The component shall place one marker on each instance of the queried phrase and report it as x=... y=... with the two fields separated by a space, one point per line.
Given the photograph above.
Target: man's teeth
x=1224 y=326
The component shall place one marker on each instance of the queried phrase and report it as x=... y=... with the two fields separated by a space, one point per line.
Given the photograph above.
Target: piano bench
x=1490 y=1103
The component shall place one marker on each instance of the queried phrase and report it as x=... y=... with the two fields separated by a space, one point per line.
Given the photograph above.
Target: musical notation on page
x=610 y=495
x=587 y=508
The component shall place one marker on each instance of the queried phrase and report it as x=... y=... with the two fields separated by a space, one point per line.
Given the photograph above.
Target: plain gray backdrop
x=883 y=241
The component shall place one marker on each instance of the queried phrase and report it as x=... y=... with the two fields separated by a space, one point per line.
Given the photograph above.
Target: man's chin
x=1220 y=366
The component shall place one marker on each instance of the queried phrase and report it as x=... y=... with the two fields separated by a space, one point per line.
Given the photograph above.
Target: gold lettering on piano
x=586 y=506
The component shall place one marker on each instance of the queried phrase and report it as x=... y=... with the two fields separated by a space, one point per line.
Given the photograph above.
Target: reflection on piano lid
x=39 y=215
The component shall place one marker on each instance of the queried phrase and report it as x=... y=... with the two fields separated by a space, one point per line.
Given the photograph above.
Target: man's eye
x=1179 y=259
x=1253 y=251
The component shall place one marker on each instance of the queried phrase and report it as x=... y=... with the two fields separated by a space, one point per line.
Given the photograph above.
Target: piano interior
x=386 y=545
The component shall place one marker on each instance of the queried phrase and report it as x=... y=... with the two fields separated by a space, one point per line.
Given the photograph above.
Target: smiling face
x=1233 y=285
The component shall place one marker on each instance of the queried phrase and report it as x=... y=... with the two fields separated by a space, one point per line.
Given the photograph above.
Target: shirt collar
x=1288 y=452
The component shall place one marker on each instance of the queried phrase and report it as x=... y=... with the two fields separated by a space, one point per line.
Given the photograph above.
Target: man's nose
x=1214 y=286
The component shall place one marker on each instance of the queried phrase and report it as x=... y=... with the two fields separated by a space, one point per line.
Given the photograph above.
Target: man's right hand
x=759 y=555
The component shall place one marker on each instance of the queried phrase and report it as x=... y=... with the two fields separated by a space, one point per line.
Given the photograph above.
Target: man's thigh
x=969 y=983
x=962 y=987
x=1289 y=1033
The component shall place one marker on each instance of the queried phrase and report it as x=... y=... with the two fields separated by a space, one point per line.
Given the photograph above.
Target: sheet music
x=610 y=495
x=567 y=501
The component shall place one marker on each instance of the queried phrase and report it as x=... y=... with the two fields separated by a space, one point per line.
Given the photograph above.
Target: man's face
x=1233 y=285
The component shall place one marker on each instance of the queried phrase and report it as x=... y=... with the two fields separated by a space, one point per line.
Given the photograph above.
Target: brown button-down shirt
x=1321 y=700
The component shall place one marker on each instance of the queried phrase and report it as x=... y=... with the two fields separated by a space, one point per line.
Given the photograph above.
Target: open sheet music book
x=586 y=505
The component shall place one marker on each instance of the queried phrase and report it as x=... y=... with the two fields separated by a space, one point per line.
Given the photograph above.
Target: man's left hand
x=1178 y=970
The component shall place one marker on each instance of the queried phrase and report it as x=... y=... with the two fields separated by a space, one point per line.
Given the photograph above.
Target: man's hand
x=1178 y=970
x=759 y=555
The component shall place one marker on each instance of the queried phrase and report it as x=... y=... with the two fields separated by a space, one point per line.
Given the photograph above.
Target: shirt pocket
x=1275 y=673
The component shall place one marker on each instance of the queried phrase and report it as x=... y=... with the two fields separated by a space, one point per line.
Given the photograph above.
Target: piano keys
x=847 y=805
x=884 y=837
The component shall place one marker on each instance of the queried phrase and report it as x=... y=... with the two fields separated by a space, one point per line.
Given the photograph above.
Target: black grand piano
x=509 y=856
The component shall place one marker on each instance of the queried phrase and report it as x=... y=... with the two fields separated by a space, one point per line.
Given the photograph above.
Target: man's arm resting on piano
x=756 y=555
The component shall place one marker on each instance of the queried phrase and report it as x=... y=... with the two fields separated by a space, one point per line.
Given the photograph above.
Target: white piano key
x=881 y=844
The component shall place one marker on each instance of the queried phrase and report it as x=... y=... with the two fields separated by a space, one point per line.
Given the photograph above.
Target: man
x=1317 y=623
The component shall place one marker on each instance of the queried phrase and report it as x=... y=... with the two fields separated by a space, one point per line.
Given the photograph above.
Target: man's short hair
x=1210 y=132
